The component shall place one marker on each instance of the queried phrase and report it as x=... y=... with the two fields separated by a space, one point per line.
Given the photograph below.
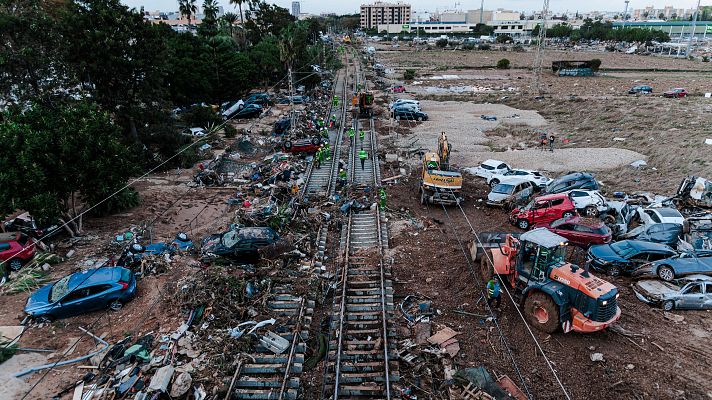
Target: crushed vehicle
x=510 y=192
x=438 y=184
x=554 y=293
x=262 y=99
x=693 y=193
x=618 y=216
x=81 y=292
x=576 y=180
x=625 y=256
x=666 y=233
x=688 y=262
x=590 y=203
x=231 y=108
x=239 y=244
x=641 y=89
x=133 y=254
x=27 y=224
x=697 y=231
x=675 y=93
x=398 y=89
x=307 y=145
x=535 y=177
x=16 y=249
x=282 y=126
x=543 y=209
x=658 y=215
x=582 y=232
x=488 y=168
x=694 y=292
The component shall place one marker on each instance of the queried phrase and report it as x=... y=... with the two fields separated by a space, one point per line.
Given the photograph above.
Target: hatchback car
x=579 y=231
x=642 y=89
x=489 y=168
x=16 y=248
x=588 y=202
x=249 y=111
x=576 y=180
x=682 y=264
x=81 y=292
x=510 y=191
x=626 y=256
x=542 y=210
x=665 y=233
x=535 y=177
x=399 y=114
x=240 y=244
x=676 y=93
x=692 y=293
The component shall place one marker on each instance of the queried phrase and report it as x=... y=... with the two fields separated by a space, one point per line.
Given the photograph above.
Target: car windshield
x=503 y=188
x=59 y=289
x=669 y=213
x=600 y=230
x=485 y=166
x=230 y=239
x=623 y=249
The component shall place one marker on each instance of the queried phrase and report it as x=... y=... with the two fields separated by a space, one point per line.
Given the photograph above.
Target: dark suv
x=240 y=244
x=262 y=99
x=406 y=113
x=576 y=180
x=642 y=89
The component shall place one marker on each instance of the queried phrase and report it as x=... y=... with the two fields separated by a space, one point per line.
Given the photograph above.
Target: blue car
x=82 y=292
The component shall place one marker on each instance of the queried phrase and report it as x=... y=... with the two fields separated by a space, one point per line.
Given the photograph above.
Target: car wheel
x=116 y=305
x=668 y=305
x=613 y=270
x=523 y=224
x=494 y=182
x=591 y=211
x=398 y=117
x=420 y=119
x=288 y=144
x=15 y=264
x=666 y=273
x=44 y=319
x=567 y=214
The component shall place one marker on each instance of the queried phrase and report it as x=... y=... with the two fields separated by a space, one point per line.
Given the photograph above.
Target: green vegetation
x=597 y=30
x=503 y=64
x=409 y=74
x=504 y=39
x=92 y=86
x=595 y=64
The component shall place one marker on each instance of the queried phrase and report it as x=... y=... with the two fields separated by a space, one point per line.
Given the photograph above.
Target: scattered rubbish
x=638 y=164
x=618 y=139
x=708 y=141
x=673 y=317
x=597 y=357
x=488 y=117
x=274 y=342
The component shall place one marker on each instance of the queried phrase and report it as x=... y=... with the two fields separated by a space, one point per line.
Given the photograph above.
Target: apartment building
x=384 y=13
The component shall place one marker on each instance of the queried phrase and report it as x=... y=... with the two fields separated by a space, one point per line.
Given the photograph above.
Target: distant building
x=379 y=13
x=677 y=30
x=296 y=9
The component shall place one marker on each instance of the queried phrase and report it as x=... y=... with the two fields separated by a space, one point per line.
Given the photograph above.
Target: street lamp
x=625 y=13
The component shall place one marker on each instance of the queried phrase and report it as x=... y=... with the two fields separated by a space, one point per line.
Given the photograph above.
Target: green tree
x=503 y=64
x=209 y=25
x=239 y=4
x=187 y=8
x=267 y=19
x=504 y=39
x=229 y=19
x=60 y=161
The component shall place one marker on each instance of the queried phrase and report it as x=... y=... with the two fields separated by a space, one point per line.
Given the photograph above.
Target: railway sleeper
x=267 y=369
x=289 y=394
x=263 y=382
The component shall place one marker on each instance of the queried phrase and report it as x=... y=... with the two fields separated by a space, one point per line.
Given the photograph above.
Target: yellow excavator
x=439 y=185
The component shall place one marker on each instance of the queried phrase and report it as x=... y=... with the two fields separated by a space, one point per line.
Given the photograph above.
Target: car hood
x=498 y=196
x=39 y=299
x=211 y=244
x=605 y=252
x=656 y=289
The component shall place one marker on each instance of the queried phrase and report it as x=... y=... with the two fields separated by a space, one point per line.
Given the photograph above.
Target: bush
x=409 y=74
x=504 y=39
x=441 y=43
x=518 y=48
x=484 y=46
x=230 y=131
x=200 y=117
x=595 y=64
x=503 y=64
x=468 y=46
x=705 y=59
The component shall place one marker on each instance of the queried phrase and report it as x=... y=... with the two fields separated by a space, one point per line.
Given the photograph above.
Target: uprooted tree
x=59 y=162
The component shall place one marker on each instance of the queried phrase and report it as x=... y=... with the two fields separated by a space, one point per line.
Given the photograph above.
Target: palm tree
x=187 y=8
x=230 y=18
x=239 y=4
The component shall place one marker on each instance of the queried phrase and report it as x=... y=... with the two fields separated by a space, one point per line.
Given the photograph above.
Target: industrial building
x=677 y=30
x=381 y=13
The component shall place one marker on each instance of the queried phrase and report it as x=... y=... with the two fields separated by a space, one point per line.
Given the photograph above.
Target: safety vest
x=382 y=194
x=351 y=132
x=361 y=135
x=362 y=154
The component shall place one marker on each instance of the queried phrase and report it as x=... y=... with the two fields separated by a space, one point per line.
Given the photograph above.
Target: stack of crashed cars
x=664 y=243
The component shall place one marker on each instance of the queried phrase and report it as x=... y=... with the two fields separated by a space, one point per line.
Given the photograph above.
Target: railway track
x=359 y=361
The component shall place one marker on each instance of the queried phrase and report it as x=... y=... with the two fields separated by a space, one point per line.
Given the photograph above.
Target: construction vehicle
x=552 y=292
x=347 y=39
x=439 y=185
x=365 y=104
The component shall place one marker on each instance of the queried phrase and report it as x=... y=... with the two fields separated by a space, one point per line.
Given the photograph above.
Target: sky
x=352 y=6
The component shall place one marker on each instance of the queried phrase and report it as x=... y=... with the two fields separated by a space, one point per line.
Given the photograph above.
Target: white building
x=296 y=9
x=379 y=13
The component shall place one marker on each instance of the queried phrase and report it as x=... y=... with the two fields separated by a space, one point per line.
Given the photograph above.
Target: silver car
x=694 y=292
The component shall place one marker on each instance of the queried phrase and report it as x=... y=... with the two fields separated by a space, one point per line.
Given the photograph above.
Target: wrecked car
x=489 y=168
x=582 y=232
x=509 y=192
x=543 y=209
x=685 y=263
x=576 y=180
x=666 y=233
x=691 y=293
x=26 y=224
x=658 y=215
x=618 y=216
x=698 y=231
x=16 y=249
x=694 y=192
x=81 y=292
x=625 y=256
x=240 y=244
x=308 y=145
x=588 y=202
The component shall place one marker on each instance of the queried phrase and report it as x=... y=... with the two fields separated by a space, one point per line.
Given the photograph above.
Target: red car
x=579 y=231
x=543 y=209
x=675 y=93
x=399 y=89
x=310 y=145
x=16 y=249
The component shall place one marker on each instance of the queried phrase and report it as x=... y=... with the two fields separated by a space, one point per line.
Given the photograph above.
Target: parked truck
x=552 y=292
x=439 y=185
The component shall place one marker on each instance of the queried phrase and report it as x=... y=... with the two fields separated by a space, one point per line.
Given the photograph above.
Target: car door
x=650 y=217
x=583 y=234
x=707 y=302
x=552 y=211
x=539 y=211
x=578 y=198
x=74 y=303
x=691 y=296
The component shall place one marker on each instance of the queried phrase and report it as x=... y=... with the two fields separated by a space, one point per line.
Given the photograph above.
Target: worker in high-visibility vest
x=362 y=155
x=325 y=132
x=327 y=151
x=361 y=135
x=352 y=134
x=382 y=198
x=317 y=157
x=336 y=101
x=333 y=121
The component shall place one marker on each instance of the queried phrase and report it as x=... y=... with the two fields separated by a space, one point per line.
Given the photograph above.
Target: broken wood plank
x=391 y=178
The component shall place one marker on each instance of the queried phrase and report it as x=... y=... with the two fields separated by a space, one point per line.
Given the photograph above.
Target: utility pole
x=625 y=12
x=540 y=49
x=694 y=25
x=482 y=11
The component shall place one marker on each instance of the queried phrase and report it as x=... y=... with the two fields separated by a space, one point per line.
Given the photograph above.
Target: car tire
x=542 y=312
x=493 y=183
x=315 y=141
x=15 y=264
x=591 y=211
x=523 y=224
x=420 y=119
x=668 y=305
x=44 y=319
x=116 y=305
x=666 y=273
x=613 y=270
x=398 y=117
x=288 y=144
x=567 y=214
